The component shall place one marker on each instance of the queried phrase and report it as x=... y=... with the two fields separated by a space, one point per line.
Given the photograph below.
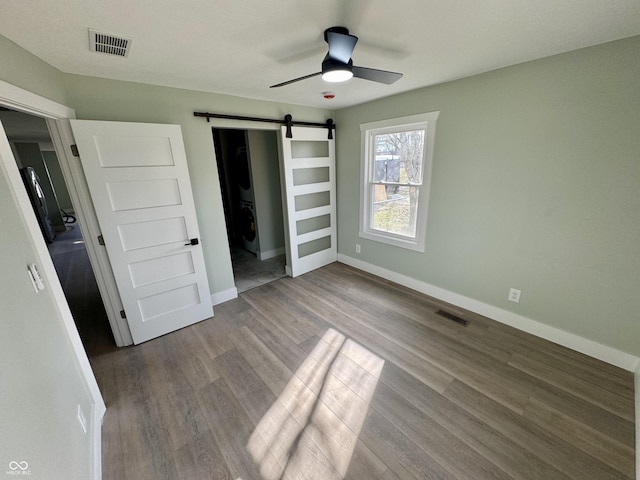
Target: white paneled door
x=139 y=183
x=309 y=163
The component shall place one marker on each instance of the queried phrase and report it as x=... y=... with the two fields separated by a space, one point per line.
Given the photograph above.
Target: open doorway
x=249 y=173
x=37 y=161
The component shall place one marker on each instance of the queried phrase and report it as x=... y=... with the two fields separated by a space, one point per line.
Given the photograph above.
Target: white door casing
x=309 y=179
x=139 y=182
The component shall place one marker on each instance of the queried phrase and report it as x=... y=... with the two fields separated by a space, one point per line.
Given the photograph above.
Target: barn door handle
x=193 y=241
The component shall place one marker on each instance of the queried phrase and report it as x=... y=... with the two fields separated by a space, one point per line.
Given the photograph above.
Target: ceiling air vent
x=110 y=44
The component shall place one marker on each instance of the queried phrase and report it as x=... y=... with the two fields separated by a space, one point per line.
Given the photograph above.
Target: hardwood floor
x=71 y=261
x=483 y=401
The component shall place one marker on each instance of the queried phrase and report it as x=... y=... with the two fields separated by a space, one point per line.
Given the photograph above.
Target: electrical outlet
x=357 y=248
x=514 y=295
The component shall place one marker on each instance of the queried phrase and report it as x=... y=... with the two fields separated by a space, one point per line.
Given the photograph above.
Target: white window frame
x=426 y=121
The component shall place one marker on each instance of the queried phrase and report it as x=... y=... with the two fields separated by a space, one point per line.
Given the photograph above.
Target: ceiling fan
x=337 y=65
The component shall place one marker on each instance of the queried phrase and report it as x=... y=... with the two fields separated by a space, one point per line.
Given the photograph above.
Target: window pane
x=398 y=156
x=395 y=212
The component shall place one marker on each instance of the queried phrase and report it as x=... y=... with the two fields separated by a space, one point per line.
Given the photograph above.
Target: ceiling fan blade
x=341 y=45
x=380 y=76
x=296 y=80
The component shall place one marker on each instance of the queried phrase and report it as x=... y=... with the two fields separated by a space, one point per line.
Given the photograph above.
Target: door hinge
x=74 y=150
x=122 y=314
x=100 y=239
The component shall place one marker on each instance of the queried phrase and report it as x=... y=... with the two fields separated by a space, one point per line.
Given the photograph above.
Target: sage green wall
x=41 y=382
x=536 y=185
x=57 y=179
x=23 y=69
x=265 y=172
x=102 y=99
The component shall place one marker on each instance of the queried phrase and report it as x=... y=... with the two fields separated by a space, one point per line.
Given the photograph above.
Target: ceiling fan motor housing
x=340 y=30
x=329 y=64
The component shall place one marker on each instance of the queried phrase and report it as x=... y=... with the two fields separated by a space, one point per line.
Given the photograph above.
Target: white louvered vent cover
x=106 y=43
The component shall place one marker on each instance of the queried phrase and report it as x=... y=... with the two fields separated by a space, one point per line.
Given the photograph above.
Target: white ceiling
x=240 y=47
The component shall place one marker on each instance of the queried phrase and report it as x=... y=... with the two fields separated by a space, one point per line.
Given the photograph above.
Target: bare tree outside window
x=397 y=177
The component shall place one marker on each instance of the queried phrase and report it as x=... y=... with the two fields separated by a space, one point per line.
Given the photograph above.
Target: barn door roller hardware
x=287 y=121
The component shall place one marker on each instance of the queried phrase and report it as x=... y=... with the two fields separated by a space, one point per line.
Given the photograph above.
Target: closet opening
x=249 y=172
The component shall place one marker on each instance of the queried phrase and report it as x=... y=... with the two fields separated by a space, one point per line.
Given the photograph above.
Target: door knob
x=193 y=241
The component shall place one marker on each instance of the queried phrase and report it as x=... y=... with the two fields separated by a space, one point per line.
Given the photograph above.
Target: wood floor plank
x=448 y=403
x=174 y=382
x=487 y=374
x=399 y=452
x=544 y=444
x=343 y=274
x=347 y=319
x=570 y=364
x=194 y=362
x=365 y=464
x=145 y=442
x=289 y=353
x=201 y=458
x=230 y=427
x=179 y=411
x=247 y=386
x=585 y=412
x=237 y=373
x=612 y=402
x=390 y=303
x=111 y=445
x=298 y=322
x=519 y=463
x=264 y=362
x=498 y=382
x=557 y=353
x=440 y=444
x=211 y=336
x=589 y=440
x=389 y=475
x=308 y=345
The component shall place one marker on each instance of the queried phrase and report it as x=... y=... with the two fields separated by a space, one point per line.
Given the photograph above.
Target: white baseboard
x=224 y=296
x=97 y=415
x=637 y=379
x=605 y=353
x=271 y=253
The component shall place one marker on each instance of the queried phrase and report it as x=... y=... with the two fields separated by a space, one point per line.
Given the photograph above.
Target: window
x=396 y=173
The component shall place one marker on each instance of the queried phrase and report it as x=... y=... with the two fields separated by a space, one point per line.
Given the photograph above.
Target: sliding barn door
x=139 y=183
x=309 y=174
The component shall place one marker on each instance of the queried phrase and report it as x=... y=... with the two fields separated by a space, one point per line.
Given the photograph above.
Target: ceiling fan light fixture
x=335 y=76
x=334 y=71
x=338 y=66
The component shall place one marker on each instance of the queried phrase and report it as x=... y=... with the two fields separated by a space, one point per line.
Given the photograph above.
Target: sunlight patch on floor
x=311 y=431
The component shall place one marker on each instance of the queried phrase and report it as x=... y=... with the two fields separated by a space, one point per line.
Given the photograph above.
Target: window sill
x=396 y=241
